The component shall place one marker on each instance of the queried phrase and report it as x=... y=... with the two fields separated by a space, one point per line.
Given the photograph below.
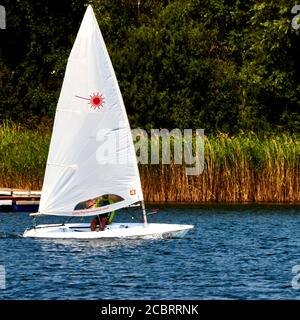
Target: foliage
x=224 y=66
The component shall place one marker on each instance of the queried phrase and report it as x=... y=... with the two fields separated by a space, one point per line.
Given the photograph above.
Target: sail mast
x=144 y=213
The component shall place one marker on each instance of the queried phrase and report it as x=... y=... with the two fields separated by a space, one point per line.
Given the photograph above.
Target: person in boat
x=103 y=219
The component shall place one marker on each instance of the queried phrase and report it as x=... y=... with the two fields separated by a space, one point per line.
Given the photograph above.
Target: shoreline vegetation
x=237 y=169
x=231 y=68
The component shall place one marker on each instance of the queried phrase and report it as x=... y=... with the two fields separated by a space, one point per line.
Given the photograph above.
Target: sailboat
x=91 y=152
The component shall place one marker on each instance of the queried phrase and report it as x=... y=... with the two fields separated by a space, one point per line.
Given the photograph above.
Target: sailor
x=103 y=219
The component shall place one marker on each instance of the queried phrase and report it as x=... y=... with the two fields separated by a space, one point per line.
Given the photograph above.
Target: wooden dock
x=18 y=200
x=8 y=193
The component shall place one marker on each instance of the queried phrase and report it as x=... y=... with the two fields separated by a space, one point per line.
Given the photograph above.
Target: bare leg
x=93 y=225
x=103 y=222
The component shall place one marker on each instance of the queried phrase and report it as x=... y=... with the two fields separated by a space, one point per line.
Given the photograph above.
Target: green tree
x=38 y=40
x=214 y=64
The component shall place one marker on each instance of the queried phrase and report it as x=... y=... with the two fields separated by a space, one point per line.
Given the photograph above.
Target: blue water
x=234 y=252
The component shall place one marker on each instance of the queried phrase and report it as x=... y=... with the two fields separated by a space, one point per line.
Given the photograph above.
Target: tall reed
x=244 y=168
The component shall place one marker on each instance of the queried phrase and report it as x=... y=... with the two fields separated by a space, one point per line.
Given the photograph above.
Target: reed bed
x=244 y=168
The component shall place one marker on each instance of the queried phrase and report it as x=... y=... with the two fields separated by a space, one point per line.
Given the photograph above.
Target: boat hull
x=114 y=230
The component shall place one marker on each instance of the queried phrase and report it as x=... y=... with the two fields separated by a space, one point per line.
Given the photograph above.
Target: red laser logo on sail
x=96 y=100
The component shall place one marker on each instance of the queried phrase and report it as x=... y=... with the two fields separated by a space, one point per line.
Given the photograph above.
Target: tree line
x=223 y=66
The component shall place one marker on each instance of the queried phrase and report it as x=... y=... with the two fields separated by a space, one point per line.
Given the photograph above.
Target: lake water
x=234 y=252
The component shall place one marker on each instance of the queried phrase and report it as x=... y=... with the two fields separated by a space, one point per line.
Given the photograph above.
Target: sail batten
x=91 y=151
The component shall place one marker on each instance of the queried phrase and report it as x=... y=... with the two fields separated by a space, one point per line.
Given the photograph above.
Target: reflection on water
x=101 y=245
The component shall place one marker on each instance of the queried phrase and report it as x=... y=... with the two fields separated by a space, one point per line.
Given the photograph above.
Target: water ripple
x=232 y=253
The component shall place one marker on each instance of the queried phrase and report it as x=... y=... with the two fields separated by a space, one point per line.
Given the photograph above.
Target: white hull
x=114 y=230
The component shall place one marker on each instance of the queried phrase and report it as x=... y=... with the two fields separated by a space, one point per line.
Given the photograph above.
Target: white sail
x=91 y=151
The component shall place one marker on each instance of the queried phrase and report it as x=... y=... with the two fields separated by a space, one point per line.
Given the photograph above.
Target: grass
x=23 y=155
x=244 y=168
